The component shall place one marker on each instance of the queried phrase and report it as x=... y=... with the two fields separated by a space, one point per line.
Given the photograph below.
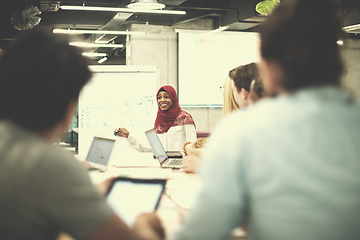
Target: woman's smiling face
x=164 y=101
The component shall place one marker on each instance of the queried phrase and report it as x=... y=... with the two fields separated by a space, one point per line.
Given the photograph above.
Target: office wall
x=205 y=118
x=159 y=47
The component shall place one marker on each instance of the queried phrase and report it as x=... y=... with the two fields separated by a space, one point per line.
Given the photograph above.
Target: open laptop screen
x=100 y=150
x=156 y=145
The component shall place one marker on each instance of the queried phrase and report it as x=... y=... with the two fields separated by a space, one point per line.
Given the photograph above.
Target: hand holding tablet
x=130 y=197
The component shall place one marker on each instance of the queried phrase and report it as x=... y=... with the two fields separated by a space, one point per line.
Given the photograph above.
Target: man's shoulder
x=254 y=115
x=27 y=151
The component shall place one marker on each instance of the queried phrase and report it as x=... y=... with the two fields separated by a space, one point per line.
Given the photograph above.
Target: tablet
x=130 y=197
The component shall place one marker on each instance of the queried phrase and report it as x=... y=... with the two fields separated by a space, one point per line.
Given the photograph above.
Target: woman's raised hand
x=121 y=132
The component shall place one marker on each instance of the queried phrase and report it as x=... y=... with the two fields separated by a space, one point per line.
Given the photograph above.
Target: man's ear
x=271 y=76
x=69 y=113
x=244 y=93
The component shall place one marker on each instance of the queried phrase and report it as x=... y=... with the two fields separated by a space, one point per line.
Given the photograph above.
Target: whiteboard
x=117 y=96
x=205 y=61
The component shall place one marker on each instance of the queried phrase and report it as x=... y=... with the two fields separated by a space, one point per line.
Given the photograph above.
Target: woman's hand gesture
x=121 y=132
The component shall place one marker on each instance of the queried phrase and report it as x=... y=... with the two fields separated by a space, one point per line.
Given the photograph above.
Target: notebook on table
x=170 y=160
x=99 y=153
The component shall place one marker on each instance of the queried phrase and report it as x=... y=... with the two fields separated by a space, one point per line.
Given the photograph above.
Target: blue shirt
x=288 y=168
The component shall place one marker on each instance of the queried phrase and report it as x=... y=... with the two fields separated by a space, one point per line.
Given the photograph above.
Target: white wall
x=205 y=118
x=159 y=47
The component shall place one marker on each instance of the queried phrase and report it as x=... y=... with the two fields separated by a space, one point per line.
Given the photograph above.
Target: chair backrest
x=201 y=137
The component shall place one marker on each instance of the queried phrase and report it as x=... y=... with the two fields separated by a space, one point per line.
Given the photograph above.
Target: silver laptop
x=99 y=153
x=165 y=160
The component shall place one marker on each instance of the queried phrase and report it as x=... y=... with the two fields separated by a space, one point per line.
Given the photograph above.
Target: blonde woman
x=242 y=88
x=229 y=103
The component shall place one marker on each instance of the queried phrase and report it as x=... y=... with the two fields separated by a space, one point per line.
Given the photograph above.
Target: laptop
x=99 y=153
x=170 y=160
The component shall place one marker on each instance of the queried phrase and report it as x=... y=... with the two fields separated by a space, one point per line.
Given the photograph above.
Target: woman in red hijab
x=173 y=125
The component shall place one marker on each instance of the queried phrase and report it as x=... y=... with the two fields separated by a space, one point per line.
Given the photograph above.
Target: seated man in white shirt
x=288 y=167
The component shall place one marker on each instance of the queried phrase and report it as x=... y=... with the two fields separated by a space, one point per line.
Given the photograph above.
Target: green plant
x=266 y=7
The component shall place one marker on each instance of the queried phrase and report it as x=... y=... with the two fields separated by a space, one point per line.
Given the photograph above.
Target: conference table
x=180 y=191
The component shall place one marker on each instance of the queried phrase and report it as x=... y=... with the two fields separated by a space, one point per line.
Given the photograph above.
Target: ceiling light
x=220 y=29
x=95 y=45
x=73 y=31
x=100 y=39
x=94 y=54
x=110 y=9
x=102 y=60
x=340 y=42
x=351 y=27
x=145 y=4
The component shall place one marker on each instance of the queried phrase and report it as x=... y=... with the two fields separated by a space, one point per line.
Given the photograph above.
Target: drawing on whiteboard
x=106 y=116
x=117 y=96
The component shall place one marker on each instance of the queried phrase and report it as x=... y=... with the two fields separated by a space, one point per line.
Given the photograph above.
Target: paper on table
x=141 y=172
x=183 y=191
x=133 y=158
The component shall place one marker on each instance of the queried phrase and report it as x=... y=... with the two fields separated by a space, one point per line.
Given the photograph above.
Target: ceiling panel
x=239 y=15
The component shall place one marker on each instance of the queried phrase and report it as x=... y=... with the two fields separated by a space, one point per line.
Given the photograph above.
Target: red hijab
x=174 y=116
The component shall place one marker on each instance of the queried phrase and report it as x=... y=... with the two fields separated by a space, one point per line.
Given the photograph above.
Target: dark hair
x=301 y=36
x=40 y=75
x=161 y=90
x=243 y=75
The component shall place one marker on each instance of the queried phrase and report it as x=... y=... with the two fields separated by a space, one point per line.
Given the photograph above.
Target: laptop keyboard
x=174 y=162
